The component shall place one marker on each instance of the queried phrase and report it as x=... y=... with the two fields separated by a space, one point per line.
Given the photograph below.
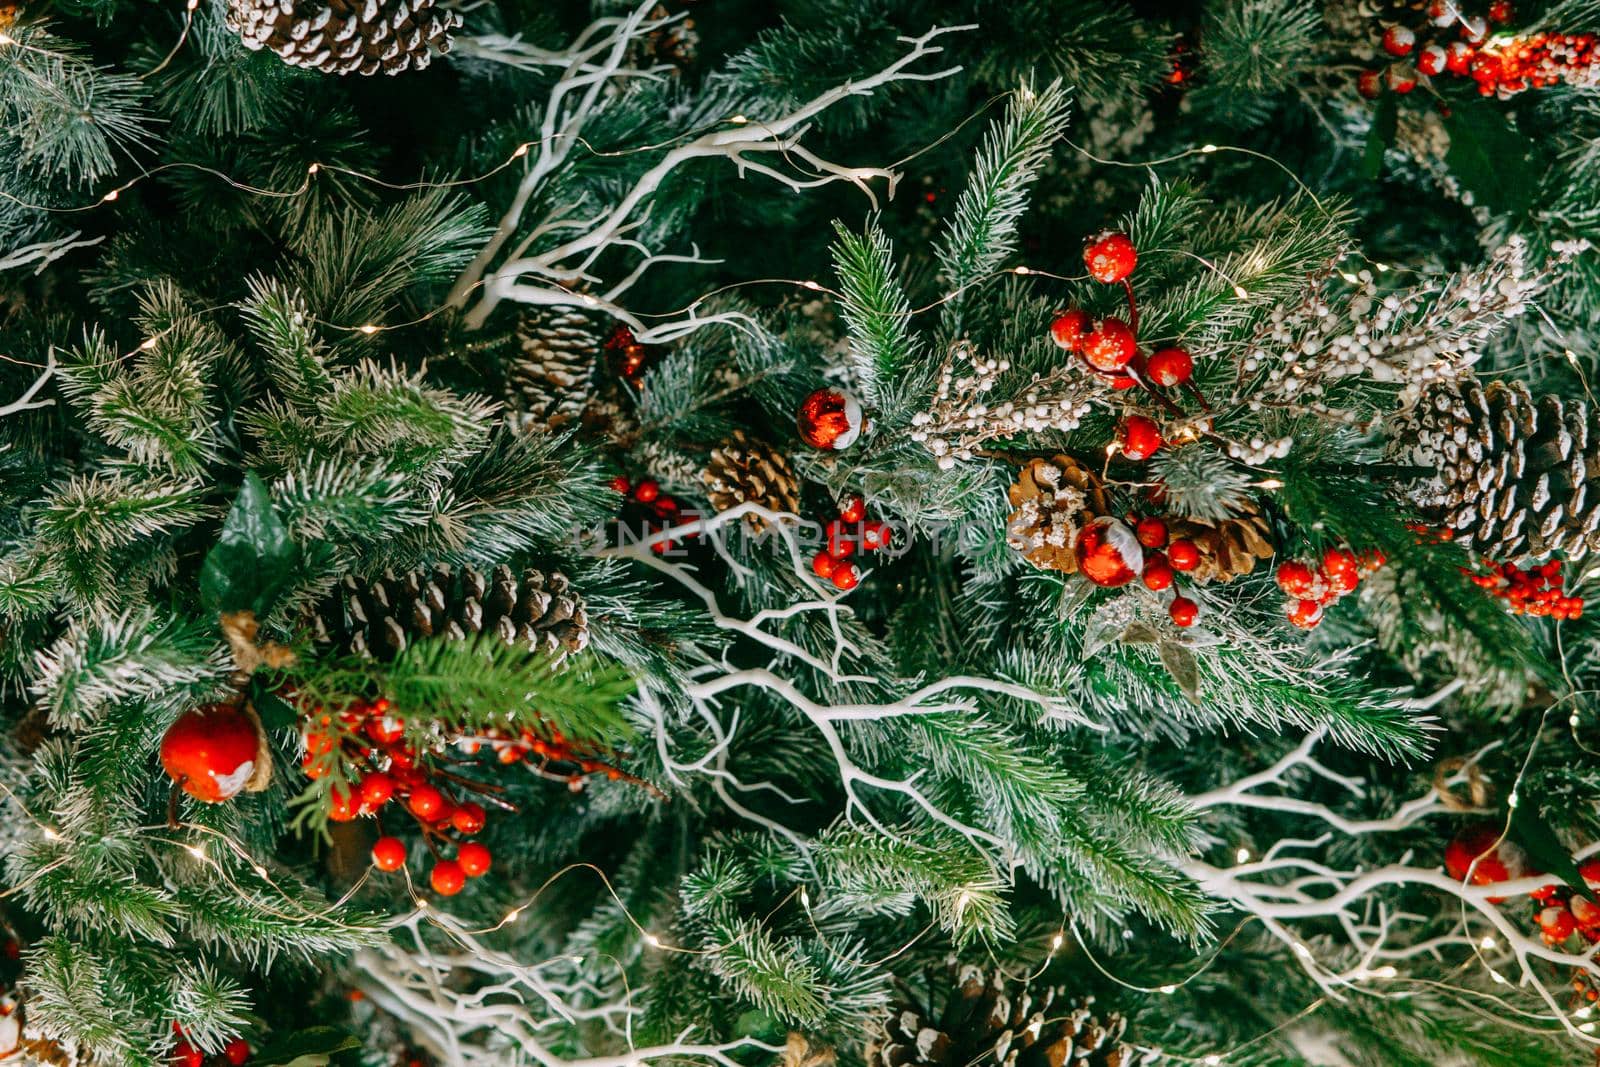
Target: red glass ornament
x=647 y=491
x=875 y=535
x=186 y=1055
x=212 y=751
x=237 y=1051
x=1108 y=552
x=342 y=806
x=846 y=576
x=1157 y=575
x=376 y=789
x=385 y=729
x=823 y=563
x=1183 y=554
x=474 y=859
x=1110 y=257
x=1138 y=437
x=1169 y=367
x=1110 y=347
x=388 y=854
x=854 y=509
x=1480 y=850
x=1296 y=579
x=831 y=419
x=1458 y=57
x=626 y=357
x=1430 y=60
x=1183 y=611
x=447 y=878
x=1068 y=329
x=1152 y=532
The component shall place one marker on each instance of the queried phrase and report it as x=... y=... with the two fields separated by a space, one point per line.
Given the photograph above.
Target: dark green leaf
x=1530 y=830
x=1489 y=157
x=1184 y=668
x=254 y=560
x=1385 y=120
x=274 y=712
x=304 y=1048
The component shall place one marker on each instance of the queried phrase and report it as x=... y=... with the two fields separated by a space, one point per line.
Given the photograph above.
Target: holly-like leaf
x=314 y=1047
x=1489 y=157
x=1180 y=662
x=254 y=560
x=1385 y=121
x=1530 y=830
x=274 y=712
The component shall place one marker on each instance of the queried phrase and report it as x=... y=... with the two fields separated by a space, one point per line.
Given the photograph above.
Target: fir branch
x=875 y=309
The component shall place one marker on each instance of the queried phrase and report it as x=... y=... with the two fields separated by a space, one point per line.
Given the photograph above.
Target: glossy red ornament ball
x=1152 y=532
x=1431 y=60
x=237 y=1051
x=846 y=576
x=1296 y=579
x=823 y=563
x=1108 y=552
x=1169 y=367
x=1183 y=611
x=621 y=484
x=1369 y=83
x=1138 y=437
x=388 y=854
x=1336 y=562
x=1183 y=554
x=875 y=536
x=1110 y=257
x=1557 y=923
x=212 y=751
x=1305 y=614
x=376 y=789
x=425 y=802
x=468 y=818
x=385 y=729
x=1069 y=328
x=1109 y=347
x=841 y=538
x=447 y=878
x=830 y=419
x=1590 y=872
x=1399 y=40
x=1400 y=78
x=854 y=509
x=343 y=806
x=1157 y=575
x=474 y=859
x=1480 y=850
x=648 y=490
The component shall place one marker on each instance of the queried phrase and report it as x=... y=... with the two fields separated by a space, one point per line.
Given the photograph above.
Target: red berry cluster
x=1165 y=558
x=184 y=1054
x=655 y=510
x=1537 y=62
x=1536 y=591
x=1453 y=42
x=850 y=529
x=1310 y=590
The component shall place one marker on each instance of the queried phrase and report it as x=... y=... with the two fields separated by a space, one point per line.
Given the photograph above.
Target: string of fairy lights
x=196 y=846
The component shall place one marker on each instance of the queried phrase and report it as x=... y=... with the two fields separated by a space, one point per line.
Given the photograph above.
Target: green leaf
x=1385 y=121
x=1490 y=157
x=274 y=712
x=1184 y=668
x=305 y=1048
x=254 y=560
x=1530 y=830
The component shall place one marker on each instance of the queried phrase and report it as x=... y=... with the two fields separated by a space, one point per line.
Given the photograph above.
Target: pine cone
x=1053 y=498
x=380 y=618
x=1229 y=548
x=743 y=471
x=345 y=36
x=676 y=44
x=987 y=1019
x=552 y=377
x=1510 y=473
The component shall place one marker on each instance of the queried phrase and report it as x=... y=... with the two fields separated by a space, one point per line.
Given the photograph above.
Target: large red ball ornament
x=1108 y=552
x=831 y=419
x=1481 y=850
x=215 y=751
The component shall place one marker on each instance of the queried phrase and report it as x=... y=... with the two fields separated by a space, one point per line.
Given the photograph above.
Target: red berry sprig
x=186 y=1054
x=1163 y=559
x=1311 y=588
x=844 y=534
x=1452 y=42
x=653 y=509
x=1537 y=591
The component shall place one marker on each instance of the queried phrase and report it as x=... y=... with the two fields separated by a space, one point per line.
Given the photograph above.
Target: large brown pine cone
x=345 y=36
x=551 y=379
x=1053 y=498
x=1229 y=548
x=745 y=471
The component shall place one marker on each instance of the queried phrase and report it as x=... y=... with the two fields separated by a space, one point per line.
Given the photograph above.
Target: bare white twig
x=26 y=401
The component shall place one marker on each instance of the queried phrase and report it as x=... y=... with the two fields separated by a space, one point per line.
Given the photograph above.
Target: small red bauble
x=1068 y=329
x=1399 y=41
x=468 y=818
x=1157 y=575
x=388 y=854
x=1169 y=367
x=1590 y=872
x=1431 y=60
x=1108 y=552
x=1110 y=347
x=1400 y=78
x=1557 y=923
x=1138 y=437
x=447 y=878
x=1152 y=532
x=620 y=484
x=376 y=789
x=830 y=419
x=474 y=859
x=342 y=806
x=648 y=490
x=1369 y=83
x=1305 y=614
x=841 y=539
x=853 y=509
x=425 y=802
x=237 y=1051
x=1183 y=554
x=875 y=535
x=385 y=729
x=823 y=564
x=1183 y=611
x=1110 y=257
x=213 y=751
x=1296 y=579
x=1337 y=562
x=846 y=576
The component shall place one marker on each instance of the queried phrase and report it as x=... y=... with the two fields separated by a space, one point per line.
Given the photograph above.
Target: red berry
x=1183 y=554
x=1068 y=329
x=823 y=564
x=212 y=751
x=1369 y=83
x=647 y=491
x=1296 y=579
x=342 y=805
x=425 y=802
x=1305 y=614
x=1431 y=60
x=846 y=576
x=1151 y=532
x=1139 y=437
x=474 y=859
x=376 y=789
x=1399 y=41
x=1584 y=911
x=1500 y=11
x=1474 y=28
x=830 y=419
x=1557 y=923
x=1337 y=562
x=385 y=729
x=186 y=1055
x=1157 y=575
x=1183 y=611
x=854 y=509
x=1110 y=347
x=388 y=854
x=841 y=539
x=621 y=484
x=468 y=818
x=1169 y=367
x=447 y=878
x=1479 y=850
x=874 y=535
x=1122 y=381
x=1458 y=57
x=1401 y=78
x=1590 y=871
x=237 y=1051
x=1110 y=257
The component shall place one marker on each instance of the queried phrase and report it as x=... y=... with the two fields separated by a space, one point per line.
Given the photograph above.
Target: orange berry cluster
x=184 y=1054
x=1310 y=588
x=1536 y=591
x=850 y=529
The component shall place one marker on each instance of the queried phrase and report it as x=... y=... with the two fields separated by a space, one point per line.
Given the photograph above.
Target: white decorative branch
x=45 y=253
x=26 y=401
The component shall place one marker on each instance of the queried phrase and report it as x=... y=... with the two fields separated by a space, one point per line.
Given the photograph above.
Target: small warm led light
x=652 y=940
x=1213 y=1060
x=1499 y=978
x=1513 y=800
x=1168 y=989
x=6 y=38
x=1055 y=942
x=1208 y=148
x=50 y=834
x=738 y=120
x=112 y=195
x=313 y=168
x=1019 y=270
x=513 y=915
x=1301 y=951
x=148 y=343
x=1487 y=942
x=521 y=151
x=368 y=329
x=261 y=872
x=805 y=898
x=197 y=851
x=1270 y=483
x=813 y=286
x=1385 y=972
x=1381 y=267
x=1239 y=291
x=1242 y=856
x=578 y=960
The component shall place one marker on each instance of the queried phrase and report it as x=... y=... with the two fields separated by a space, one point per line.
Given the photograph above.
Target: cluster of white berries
x=960 y=420
x=1259 y=450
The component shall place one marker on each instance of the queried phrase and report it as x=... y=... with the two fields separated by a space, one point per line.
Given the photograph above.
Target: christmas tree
x=742 y=534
